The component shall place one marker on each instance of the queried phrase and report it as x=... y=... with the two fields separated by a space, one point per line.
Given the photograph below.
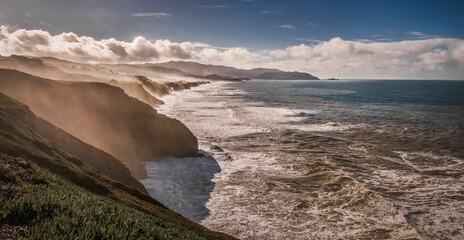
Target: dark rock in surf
x=216 y=148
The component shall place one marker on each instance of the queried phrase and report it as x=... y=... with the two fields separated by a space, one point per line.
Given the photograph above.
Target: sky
x=328 y=38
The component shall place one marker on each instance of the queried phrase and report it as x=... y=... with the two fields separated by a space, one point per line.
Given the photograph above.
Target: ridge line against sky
x=346 y=39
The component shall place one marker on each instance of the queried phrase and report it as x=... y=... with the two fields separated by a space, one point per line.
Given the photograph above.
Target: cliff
x=96 y=158
x=47 y=193
x=102 y=116
x=136 y=90
x=160 y=89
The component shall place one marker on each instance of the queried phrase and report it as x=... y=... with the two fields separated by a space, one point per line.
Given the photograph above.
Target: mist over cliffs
x=103 y=116
x=94 y=157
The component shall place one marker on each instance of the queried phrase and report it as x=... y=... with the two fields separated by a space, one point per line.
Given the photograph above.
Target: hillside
x=38 y=67
x=96 y=158
x=207 y=69
x=286 y=76
x=256 y=73
x=47 y=193
x=57 y=69
x=102 y=116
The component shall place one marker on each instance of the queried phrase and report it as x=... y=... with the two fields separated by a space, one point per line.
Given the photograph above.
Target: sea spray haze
x=103 y=116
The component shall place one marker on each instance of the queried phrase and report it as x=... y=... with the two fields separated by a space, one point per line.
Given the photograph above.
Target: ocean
x=374 y=159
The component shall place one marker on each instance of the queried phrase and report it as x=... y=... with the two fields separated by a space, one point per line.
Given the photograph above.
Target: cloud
x=270 y=12
x=425 y=58
x=421 y=35
x=418 y=34
x=364 y=40
x=311 y=24
x=153 y=14
x=87 y=49
x=309 y=40
x=278 y=53
x=286 y=26
x=419 y=58
x=83 y=48
x=385 y=39
x=212 y=6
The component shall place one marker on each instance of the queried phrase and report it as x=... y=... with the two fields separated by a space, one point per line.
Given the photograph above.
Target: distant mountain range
x=256 y=73
x=57 y=69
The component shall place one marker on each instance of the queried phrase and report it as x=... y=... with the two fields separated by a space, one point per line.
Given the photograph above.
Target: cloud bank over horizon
x=439 y=58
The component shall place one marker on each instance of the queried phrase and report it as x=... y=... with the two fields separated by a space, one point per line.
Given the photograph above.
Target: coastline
x=285 y=177
x=278 y=159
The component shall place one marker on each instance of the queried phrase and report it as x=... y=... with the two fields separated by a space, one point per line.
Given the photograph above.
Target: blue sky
x=252 y=24
x=365 y=39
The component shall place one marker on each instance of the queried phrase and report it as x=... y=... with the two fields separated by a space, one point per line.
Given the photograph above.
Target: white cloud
x=423 y=58
x=140 y=50
x=212 y=6
x=421 y=35
x=361 y=59
x=83 y=48
x=311 y=24
x=237 y=56
x=309 y=40
x=278 y=53
x=270 y=12
x=418 y=34
x=364 y=40
x=153 y=14
x=286 y=26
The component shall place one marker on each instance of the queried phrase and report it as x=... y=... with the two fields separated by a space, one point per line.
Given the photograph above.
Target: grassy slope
x=47 y=193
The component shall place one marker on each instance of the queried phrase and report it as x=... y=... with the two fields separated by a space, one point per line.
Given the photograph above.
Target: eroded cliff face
x=103 y=116
x=145 y=89
x=136 y=90
x=160 y=89
x=94 y=157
